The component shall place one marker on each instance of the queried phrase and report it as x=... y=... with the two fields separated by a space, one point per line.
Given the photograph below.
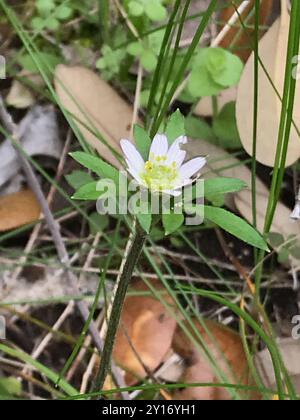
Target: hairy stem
x=116 y=310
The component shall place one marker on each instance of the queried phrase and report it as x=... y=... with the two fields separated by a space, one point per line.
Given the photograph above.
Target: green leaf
x=201 y=84
x=88 y=192
x=175 y=126
x=135 y=8
x=78 y=178
x=215 y=61
x=52 y=23
x=283 y=255
x=63 y=12
x=45 y=7
x=10 y=386
x=213 y=70
x=135 y=48
x=198 y=129
x=145 y=221
x=37 y=23
x=144 y=97
x=47 y=61
x=235 y=226
x=155 y=10
x=143 y=141
x=98 y=222
x=295 y=252
x=172 y=222
x=230 y=73
x=148 y=59
x=39 y=367
x=216 y=200
x=97 y=165
x=216 y=186
x=275 y=239
x=225 y=127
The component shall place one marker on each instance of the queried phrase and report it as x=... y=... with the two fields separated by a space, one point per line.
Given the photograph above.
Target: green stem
x=104 y=21
x=215 y=106
x=255 y=114
x=114 y=320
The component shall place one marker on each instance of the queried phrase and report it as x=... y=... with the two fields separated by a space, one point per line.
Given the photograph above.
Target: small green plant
x=153 y=9
x=157 y=168
x=213 y=70
x=285 y=248
x=147 y=49
x=50 y=14
x=110 y=62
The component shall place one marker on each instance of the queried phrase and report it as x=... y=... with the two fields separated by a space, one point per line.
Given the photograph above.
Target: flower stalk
x=114 y=320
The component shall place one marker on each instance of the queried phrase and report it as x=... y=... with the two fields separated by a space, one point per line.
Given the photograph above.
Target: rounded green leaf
x=37 y=23
x=276 y=239
x=45 y=7
x=201 y=84
x=52 y=24
x=135 y=8
x=155 y=10
x=231 y=73
x=216 y=60
x=148 y=60
x=63 y=12
x=135 y=49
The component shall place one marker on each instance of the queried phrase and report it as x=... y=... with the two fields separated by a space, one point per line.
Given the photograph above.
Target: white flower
x=164 y=171
x=296 y=212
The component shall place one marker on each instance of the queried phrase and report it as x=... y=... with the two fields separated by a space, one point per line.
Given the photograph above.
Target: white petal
x=175 y=149
x=159 y=146
x=296 y=212
x=175 y=193
x=179 y=158
x=191 y=167
x=132 y=155
x=134 y=173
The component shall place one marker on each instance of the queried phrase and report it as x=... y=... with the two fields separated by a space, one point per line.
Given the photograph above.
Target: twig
x=53 y=228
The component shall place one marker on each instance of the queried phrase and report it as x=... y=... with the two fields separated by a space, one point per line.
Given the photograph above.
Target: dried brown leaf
x=97 y=105
x=224 y=346
x=18 y=209
x=150 y=329
x=272 y=50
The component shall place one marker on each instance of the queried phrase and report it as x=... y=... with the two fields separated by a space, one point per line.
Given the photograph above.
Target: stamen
x=159 y=176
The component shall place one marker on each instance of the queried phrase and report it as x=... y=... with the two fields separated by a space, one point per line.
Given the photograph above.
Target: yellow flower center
x=159 y=176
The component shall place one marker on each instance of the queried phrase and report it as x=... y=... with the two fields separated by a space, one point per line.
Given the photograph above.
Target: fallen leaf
x=39 y=137
x=290 y=352
x=150 y=328
x=223 y=164
x=272 y=51
x=225 y=347
x=18 y=209
x=95 y=104
x=20 y=95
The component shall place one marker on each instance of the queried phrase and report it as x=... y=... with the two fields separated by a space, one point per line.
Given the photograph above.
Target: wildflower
x=164 y=171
